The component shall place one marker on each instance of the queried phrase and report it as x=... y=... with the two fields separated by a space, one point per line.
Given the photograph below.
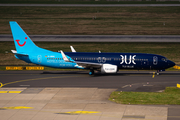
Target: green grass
x=171 y=96
x=86 y=2
x=3 y=68
x=169 y=50
x=79 y=20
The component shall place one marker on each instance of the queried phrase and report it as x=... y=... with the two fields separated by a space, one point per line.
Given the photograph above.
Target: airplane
x=27 y=51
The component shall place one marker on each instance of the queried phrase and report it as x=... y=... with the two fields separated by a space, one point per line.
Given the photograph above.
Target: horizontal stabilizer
x=21 y=54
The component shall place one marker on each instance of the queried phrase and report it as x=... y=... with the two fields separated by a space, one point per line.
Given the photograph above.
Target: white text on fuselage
x=128 y=61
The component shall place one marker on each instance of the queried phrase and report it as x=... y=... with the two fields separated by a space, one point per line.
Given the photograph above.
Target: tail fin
x=22 y=41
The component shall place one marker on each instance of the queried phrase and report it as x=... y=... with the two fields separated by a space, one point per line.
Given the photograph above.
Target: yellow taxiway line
x=1 y=84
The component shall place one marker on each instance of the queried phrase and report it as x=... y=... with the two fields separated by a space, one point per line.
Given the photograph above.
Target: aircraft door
x=39 y=58
x=155 y=60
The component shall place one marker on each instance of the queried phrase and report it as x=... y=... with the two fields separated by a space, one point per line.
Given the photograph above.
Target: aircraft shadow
x=64 y=72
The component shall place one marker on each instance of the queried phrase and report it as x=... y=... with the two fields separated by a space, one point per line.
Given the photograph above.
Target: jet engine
x=108 y=68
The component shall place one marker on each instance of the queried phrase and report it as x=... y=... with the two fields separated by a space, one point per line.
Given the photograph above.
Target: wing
x=87 y=65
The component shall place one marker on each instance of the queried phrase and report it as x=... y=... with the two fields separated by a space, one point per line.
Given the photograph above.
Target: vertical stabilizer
x=22 y=41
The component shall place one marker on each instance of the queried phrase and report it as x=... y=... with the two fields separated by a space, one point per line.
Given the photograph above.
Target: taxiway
x=99 y=38
x=75 y=95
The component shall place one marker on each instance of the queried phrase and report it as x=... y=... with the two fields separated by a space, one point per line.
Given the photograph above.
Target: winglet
x=72 y=49
x=64 y=57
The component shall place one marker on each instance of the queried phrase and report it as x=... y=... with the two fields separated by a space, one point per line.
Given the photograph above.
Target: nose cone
x=171 y=63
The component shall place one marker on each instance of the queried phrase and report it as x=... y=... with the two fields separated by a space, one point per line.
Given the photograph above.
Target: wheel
x=91 y=72
x=157 y=72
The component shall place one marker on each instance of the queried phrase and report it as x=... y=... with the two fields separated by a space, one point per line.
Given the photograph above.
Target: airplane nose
x=171 y=63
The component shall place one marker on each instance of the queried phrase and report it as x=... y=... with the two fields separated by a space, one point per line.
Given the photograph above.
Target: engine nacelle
x=108 y=68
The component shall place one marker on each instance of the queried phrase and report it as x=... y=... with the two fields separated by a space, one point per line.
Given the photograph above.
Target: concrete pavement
x=71 y=104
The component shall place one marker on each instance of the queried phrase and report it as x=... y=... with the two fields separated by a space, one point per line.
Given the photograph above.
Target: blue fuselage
x=121 y=60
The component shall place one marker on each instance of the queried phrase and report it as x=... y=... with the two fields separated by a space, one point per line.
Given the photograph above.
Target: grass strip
x=92 y=20
x=3 y=68
x=86 y=2
x=171 y=96
x=169 y=50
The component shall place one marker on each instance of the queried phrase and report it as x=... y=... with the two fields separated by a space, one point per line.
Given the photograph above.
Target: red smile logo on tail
x=21 y=44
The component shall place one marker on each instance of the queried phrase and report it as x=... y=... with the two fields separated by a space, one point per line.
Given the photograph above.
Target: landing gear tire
x=91 y=72
x=157 y=72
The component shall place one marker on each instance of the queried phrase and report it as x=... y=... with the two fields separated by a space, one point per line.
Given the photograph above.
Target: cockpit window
x=164 y=59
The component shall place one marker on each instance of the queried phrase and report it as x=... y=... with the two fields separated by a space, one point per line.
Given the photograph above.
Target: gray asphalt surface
x=123 y=81
x=99 y=38
x=92 y=5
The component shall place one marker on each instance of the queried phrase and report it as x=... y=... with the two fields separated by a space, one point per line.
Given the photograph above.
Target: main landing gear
x=91 y=72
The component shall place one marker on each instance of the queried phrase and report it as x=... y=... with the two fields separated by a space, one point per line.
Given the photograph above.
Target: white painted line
x=125 y=86
x=24 y=85
x=147 y=85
